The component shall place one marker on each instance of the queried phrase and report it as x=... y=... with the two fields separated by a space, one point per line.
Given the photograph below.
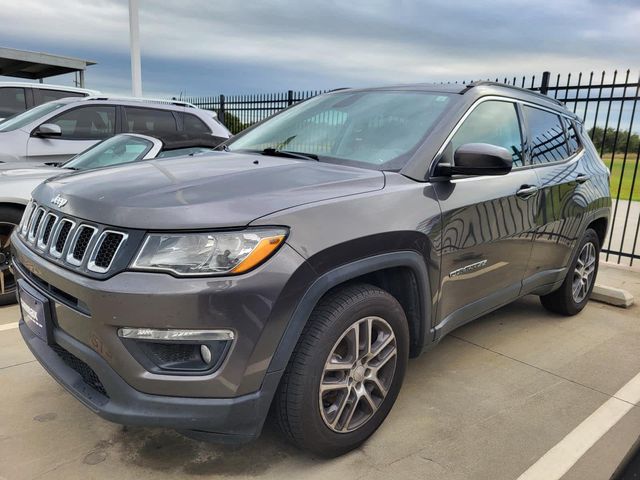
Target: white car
x=17 y=180
x=17 y=97
x=56 y=131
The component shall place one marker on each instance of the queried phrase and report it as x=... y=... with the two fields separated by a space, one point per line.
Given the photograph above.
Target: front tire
x=9 y=218
x=576 y=289
x=345 y=372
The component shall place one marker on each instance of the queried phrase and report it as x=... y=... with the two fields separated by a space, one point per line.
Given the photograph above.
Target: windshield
x=375 y=129
x=113 y=151
x=25 y=118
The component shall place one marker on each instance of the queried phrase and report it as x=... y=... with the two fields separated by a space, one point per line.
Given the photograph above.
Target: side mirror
x=478 y=159
x=48 y=130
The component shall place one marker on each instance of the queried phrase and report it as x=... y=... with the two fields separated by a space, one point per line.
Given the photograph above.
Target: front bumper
x=229 y=419
x=86 y=315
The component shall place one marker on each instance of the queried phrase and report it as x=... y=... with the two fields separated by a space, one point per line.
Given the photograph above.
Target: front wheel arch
x=344 y=274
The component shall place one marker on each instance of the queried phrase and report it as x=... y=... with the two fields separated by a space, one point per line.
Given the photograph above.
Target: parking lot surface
x=487 y=403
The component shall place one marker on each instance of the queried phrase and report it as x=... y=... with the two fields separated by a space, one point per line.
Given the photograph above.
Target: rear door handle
x=527 y=191
x=582 y=178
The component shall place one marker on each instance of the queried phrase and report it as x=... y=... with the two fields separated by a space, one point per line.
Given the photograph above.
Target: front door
x=487 y=221
x=82 y=127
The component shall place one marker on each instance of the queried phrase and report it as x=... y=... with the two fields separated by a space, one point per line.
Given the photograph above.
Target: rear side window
x=493 y=122
x=12 y=101
x=87 y=123
x=149 y=121
x=47 y=95
x=572 y=138
x=548 y=142
x=193 y=124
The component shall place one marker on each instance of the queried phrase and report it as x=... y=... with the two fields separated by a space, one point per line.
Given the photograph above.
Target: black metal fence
x=607 y=104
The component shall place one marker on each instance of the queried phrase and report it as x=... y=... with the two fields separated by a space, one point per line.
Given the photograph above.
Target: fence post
x=290 y=98
x=221 y=110
x=544 y=86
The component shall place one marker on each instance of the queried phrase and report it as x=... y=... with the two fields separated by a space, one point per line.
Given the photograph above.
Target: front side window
x=25 y=118
x=150 y=121
x=493 y=122
x=548 y=142
x=94 y=122
x=113 y=151
x=374 y=129
x=12 y=101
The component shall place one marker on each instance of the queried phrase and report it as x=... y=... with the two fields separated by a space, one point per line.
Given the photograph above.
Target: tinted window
x=193 y=124
x=548 y=142
x=572 y=137
x=113 y=151
x=12 y=101
x=87 y=123
x=51 y=95
x=150 y=121
x=182 y=152
x=378 y=129
x=25 y=118
x=491 y=122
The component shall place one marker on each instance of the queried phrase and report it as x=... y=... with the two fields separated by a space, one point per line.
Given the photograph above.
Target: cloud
x=356 y=42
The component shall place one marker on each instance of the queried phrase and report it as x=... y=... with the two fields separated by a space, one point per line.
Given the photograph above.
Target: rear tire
x=345 y=372
x=576 y=289
x=9 y=218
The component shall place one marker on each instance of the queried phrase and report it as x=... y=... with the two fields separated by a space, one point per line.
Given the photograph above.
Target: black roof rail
x=513 y=87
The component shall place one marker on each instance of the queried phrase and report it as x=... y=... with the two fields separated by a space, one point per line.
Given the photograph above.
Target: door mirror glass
x=478 y=159
x=48 y=130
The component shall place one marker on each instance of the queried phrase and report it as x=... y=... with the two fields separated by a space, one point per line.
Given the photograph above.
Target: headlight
x=212 y=253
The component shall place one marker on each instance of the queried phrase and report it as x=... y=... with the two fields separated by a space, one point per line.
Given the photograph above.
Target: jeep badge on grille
x=59 y=201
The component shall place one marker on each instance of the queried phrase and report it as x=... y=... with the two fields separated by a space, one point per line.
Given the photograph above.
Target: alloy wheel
x=583 y=274
x=358 y=374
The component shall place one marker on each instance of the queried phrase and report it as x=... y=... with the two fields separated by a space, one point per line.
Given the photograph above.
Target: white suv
x=56 y=131
x=16 y=97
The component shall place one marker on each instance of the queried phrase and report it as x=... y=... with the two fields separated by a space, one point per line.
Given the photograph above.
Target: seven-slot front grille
x=71 y=241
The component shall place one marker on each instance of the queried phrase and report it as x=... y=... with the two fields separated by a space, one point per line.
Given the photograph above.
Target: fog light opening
x=205 y=352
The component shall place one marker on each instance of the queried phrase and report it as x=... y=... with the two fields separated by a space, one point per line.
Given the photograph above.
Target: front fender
x=341 y=274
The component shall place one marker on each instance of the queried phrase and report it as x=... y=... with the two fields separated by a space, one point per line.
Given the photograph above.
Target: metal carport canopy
x=37 y=65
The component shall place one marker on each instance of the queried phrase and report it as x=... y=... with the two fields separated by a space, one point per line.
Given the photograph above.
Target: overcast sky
x=201 y=47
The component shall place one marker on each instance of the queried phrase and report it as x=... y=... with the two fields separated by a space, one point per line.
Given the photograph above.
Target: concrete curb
x=612 y=296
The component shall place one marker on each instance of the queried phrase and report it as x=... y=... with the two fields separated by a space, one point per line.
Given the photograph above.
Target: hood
x=217 y=190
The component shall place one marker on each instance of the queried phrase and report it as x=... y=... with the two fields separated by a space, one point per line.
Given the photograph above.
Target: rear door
x=555 y=153
x=82 y=127
x=487 y=221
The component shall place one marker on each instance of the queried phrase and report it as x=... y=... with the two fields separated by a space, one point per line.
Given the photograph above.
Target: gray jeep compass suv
x=299 y=269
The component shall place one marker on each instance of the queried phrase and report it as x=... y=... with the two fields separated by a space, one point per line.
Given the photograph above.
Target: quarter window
x=12 y=101
x=150 y=121
x=193 y=124
x=548 y=142
x=493 y=122
x=87 y=123
x=572 y=137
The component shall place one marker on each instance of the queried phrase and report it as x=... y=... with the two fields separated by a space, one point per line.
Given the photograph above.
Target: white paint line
x=8 y=326
x=559 y=460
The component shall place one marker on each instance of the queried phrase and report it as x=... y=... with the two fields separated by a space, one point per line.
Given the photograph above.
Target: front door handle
x=582 y=178
x=527 y=191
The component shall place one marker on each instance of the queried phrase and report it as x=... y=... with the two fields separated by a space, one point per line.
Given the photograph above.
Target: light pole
x=134 y=37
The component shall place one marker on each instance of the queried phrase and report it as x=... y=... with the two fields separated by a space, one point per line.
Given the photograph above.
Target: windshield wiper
x=273 y=152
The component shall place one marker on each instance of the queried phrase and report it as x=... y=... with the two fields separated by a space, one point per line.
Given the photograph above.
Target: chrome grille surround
x=74 y=243
x=92 y=265
x=79 y=235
